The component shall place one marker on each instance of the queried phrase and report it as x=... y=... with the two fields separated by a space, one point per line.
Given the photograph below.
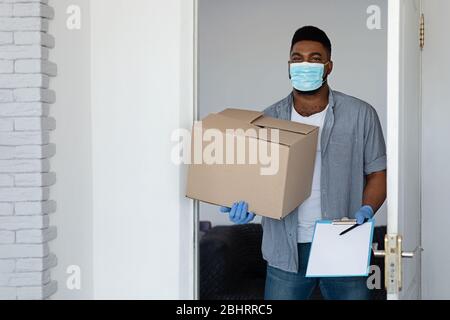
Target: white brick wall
x=6 y=209
x=6 y=180
x=23 y=24
x=6 y=37
x=34 y=94
x=32 y=10
x=25 y=149
x=7 y=237
x=6 y=125
x=6 y=95
x=27 y=80
x=17 y=223
x=36 y=236
x=33 y=264
x=34 y=208
x=10 y=251
x=35 y=66
x=37 y=292
x=30 y=37
x=13 y=52
x=7 y=265
x=6 y=9
x=24 y=166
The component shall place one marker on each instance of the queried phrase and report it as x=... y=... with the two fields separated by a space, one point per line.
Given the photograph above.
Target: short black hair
x=311 y=33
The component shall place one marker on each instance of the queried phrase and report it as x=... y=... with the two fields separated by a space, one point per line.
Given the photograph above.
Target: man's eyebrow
x=311 y=54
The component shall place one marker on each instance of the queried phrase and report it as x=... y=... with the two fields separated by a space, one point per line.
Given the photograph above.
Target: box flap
x=240 y=114
x=222 y=123
x=284 y=125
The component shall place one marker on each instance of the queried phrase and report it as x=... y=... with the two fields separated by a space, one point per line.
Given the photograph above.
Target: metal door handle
x=393 y=255
x=405 y=254
x=377 y=253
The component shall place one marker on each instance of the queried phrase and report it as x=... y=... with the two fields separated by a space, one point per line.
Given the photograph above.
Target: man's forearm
x=375 y=190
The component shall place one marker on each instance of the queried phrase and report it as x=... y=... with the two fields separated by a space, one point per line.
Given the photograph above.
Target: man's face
x=313 y=52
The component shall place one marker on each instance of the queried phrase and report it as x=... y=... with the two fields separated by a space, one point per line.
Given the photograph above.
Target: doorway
x=243 y=49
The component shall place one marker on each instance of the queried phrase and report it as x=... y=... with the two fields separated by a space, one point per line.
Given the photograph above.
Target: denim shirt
x=353 y=146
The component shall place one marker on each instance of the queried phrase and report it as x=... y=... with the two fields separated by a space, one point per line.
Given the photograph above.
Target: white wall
x=138 y=98
x=436 y=152
x=244 y=48
x=124 y=84
x=72 y=162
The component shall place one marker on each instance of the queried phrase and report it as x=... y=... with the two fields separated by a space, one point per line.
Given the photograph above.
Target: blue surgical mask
x=307 y=76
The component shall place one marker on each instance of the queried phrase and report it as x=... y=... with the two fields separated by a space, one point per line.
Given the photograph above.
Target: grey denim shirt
x=353 y=146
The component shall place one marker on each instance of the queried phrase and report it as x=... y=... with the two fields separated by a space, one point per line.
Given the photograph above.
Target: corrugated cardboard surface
x=272 y=196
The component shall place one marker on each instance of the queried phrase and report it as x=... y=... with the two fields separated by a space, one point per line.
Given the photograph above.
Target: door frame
x=196 y=204
x=393 y=120
x=393 y=114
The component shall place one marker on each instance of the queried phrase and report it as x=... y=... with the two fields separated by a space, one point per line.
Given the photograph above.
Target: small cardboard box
x=243 y=155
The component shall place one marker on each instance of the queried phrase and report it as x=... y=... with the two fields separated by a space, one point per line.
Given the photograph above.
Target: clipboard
x=332 y=255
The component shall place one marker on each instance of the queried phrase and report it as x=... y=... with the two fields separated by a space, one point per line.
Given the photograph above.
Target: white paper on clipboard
x=333 y=255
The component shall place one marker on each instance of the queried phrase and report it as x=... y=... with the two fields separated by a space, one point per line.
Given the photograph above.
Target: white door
x=141 y=94
x=404 y=149
x=436 y=151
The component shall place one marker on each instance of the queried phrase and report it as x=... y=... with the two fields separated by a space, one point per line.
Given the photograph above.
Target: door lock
x=393 y=255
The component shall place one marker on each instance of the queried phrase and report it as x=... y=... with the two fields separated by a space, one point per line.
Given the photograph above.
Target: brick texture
x=26 y=178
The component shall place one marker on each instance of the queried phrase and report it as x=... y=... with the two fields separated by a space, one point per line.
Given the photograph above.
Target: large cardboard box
x=243 y=155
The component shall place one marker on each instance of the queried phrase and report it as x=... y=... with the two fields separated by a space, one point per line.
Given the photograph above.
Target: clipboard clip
x=344 y=221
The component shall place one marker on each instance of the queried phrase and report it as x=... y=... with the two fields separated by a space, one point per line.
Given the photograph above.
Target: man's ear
x=329 y=68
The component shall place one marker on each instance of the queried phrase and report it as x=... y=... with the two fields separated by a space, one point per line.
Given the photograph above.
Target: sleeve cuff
x=377 y=165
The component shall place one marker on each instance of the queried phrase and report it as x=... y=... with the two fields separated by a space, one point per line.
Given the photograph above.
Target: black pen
x=353 y=227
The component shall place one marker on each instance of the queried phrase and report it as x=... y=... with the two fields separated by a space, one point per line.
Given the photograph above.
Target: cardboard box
x=272 y=187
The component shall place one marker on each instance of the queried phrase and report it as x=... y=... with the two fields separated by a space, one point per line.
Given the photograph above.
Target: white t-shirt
x=310 y=210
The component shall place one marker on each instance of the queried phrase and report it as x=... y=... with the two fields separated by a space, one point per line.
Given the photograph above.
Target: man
x=349 y=177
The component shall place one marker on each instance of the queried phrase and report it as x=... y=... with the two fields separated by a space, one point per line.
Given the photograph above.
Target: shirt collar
x=330 y=100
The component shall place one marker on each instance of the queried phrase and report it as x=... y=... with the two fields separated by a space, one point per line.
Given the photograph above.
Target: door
x=142 y=81
x=404 y=150
x=436 y=151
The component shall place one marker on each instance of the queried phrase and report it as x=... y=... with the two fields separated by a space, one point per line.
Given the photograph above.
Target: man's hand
x=238 y=213
x=366 y=212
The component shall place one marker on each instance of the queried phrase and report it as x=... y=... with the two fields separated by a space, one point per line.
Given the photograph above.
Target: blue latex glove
x=366 y=212
x=238 y=213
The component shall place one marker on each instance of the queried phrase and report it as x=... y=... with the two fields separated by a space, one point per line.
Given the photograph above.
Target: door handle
x=405 y=254
x=412 y=254
x=377 y=253
x=393 y=255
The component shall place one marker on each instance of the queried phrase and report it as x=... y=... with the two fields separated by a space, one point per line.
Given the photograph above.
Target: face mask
x=307 y=76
